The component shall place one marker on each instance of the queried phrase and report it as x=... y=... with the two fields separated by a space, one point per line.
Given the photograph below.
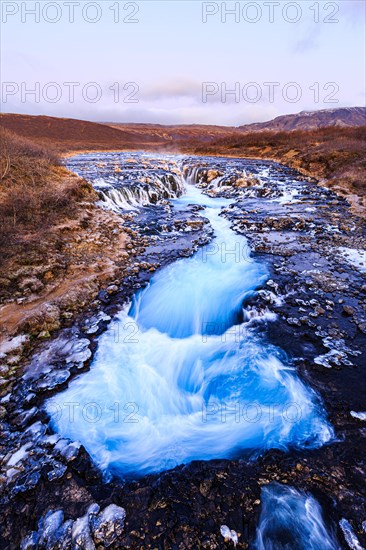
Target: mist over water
x=179 y=376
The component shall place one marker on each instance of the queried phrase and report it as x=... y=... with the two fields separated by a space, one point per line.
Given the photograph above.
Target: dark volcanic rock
x=53 y=497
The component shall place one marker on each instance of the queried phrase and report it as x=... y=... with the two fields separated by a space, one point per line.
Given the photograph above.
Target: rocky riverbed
x=312 y=306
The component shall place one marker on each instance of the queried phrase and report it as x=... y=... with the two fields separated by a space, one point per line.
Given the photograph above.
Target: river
x=181 y=374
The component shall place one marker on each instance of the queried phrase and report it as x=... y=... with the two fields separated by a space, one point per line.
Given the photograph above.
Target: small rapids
x=129 y=182
x=181 y=376
x=290 y=520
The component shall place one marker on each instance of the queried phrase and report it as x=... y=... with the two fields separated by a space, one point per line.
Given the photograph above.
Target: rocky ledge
x=52 y=496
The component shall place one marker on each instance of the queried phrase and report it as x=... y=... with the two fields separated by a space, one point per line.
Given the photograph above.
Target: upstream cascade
x=181 y=374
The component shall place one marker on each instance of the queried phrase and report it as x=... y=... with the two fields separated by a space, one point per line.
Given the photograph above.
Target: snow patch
x=355 y=257
x=358 y=415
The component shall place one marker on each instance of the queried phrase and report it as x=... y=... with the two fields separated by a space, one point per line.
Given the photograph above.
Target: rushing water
x=292 y=520
x=180 y=376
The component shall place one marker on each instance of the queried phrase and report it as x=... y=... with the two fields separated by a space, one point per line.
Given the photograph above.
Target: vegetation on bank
x=36 y=192
x=57 y=249
x=335 y=154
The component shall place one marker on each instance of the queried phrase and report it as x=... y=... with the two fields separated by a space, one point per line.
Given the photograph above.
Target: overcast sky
x=177 y=61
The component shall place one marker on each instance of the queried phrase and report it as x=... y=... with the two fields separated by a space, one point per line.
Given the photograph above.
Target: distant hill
x=177 y=132
x=68 y=134
x=310 y=120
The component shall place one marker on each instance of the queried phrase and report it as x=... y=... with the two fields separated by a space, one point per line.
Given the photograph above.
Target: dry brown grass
x=57 y=249
x=35 y=191
x=335 y=154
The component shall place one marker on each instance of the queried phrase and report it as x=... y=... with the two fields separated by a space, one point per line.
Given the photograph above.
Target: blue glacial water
x=292 y=520
x=179 y=376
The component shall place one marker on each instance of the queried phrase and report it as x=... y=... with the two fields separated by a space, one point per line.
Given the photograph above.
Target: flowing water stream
x=181 y=375
x=292 y=520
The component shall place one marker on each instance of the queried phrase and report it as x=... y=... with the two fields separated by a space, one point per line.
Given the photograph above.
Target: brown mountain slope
x=310 y=120
x=179 y=133
x=67 y=134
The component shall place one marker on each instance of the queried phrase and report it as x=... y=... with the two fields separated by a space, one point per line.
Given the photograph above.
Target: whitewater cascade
x=180 y=374
x=129 y=182
x=292 y=519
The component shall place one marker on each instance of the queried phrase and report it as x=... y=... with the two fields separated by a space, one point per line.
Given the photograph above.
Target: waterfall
x=125 y=185
x=136 y=195
x=178 y=377
x=290 y=520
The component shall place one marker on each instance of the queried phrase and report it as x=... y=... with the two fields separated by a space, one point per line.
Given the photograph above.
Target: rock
x=213 y=174
x=34 y=284
x=67 y=315
x=14 y=360
x=293 y=321
x=348 y=310
x=112 y=289
x=108 y=525
x=47 y=318
x=246 y=182
x=44 y=334
x=229 y=534
x=48 y=276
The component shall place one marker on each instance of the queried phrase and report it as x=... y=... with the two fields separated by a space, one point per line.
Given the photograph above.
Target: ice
x=355 y=257
x=19 y=455
x=358 y=415
x=13 y=345
x=229 y=534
